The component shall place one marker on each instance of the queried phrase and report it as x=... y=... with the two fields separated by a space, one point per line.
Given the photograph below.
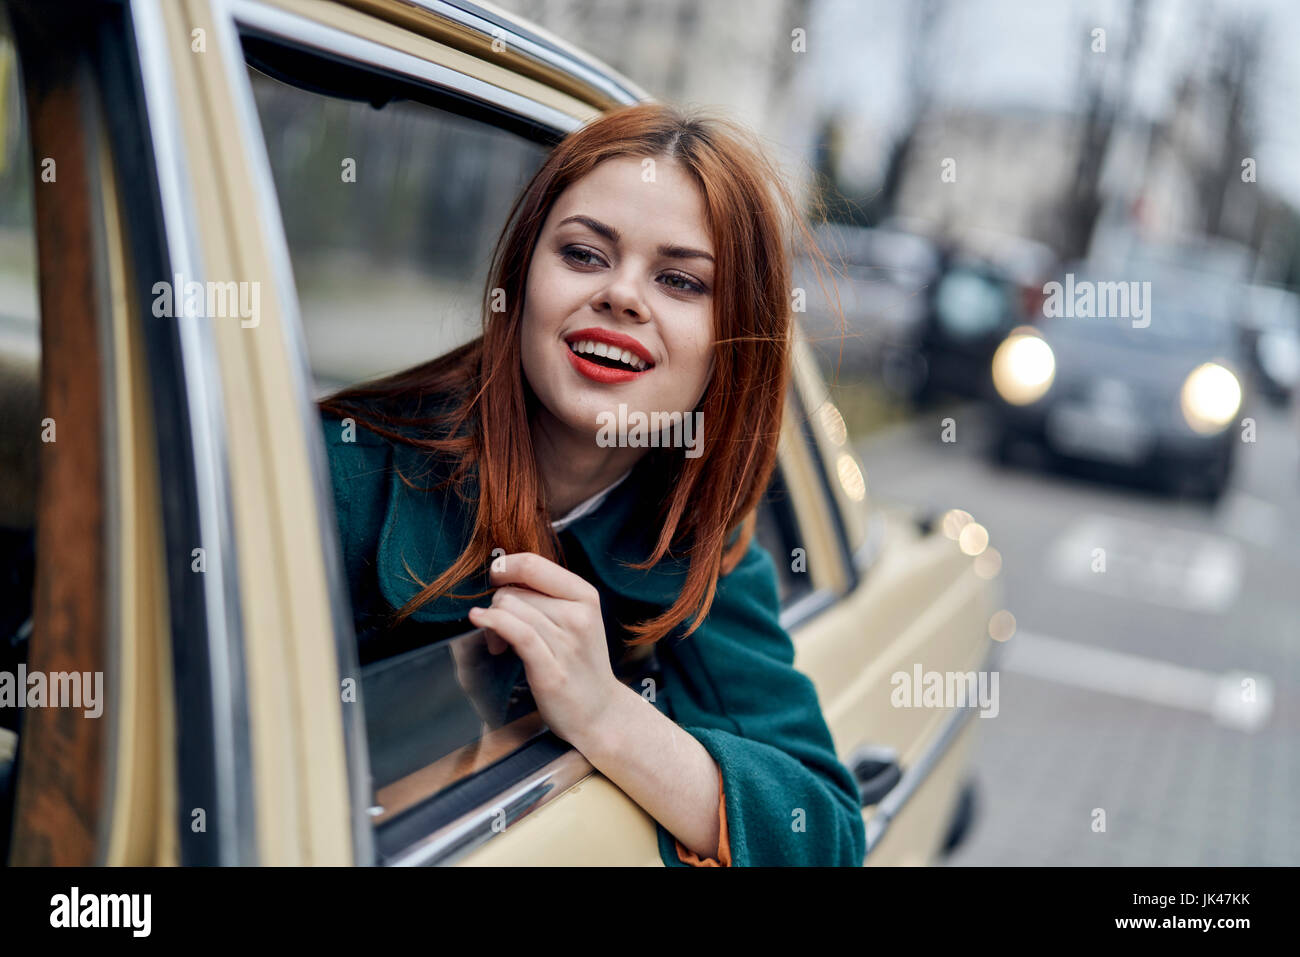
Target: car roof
x=530 y=49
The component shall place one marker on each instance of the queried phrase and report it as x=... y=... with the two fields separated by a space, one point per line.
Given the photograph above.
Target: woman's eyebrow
x=669 y=250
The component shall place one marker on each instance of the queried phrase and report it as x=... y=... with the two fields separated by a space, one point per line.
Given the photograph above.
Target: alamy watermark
x=129 y=911
x=1086 y=299
x=208 y=300
x=946 y=689
x=639 y=430
x=58 y=689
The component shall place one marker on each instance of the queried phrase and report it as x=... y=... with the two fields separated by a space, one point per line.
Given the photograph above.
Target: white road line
x=1165 y=565
x=1235 y=699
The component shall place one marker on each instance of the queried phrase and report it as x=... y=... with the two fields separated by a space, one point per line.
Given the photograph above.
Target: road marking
x=1221 y=696
x=1253 y=519
x=1169 y=566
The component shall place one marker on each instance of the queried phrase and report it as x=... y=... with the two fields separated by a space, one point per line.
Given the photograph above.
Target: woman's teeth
x=586 y=346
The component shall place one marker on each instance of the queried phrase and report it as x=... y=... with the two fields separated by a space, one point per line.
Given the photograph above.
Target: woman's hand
x=551 y=618
x=470 y=653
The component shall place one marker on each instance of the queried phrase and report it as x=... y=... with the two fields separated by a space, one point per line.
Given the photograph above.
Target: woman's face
x=627 y=264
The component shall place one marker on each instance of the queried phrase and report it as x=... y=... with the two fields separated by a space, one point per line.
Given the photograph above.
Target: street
x=1122 y=737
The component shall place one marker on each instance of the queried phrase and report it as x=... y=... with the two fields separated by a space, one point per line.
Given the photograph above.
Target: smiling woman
x=645 y=267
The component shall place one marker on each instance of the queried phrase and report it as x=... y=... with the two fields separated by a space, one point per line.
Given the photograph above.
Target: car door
x=920 y=597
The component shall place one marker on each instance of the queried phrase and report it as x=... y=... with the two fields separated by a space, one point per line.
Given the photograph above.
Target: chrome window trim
x=232 y=755
x=916 y=775
x=535 y=48
x=866 y=554
x=808 y=436
x=470 y=831
x=289 y=27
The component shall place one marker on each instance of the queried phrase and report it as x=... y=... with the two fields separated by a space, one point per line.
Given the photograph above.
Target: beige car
x=319 y=184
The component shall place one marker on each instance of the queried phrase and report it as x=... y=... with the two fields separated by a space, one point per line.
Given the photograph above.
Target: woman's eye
x=679 y=282
x=682 y=283
x=583 y=257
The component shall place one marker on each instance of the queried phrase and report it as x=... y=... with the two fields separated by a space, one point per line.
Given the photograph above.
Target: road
x=1121 y=691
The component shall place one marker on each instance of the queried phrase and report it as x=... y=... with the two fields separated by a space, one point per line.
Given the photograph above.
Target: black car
x=987 y=284
x=971 y=308
x=1154 y=391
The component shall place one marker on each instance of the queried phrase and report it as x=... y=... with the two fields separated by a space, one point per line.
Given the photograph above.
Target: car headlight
x=1210 y=398
x=1023 y=368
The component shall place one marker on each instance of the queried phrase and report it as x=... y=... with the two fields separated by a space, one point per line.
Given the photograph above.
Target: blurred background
x=1066 y=244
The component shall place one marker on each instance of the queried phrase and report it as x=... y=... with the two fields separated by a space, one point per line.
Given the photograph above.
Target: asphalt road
x=1122 y=690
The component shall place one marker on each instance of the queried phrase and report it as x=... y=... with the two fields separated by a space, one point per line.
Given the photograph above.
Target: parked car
x=1154 y=396
x=182 y=539
x=882 y=278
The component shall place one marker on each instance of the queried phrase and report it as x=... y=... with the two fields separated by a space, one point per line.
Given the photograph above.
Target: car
x=1151 y=391
x=987 y=284
x=1270 y=328
x=318 y=182
x=881 y=279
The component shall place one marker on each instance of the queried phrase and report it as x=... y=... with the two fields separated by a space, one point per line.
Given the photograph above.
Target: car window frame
x=824 y=596
x=859 y=551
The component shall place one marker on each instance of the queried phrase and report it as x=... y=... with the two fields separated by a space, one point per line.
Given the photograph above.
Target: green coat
x=731 y=684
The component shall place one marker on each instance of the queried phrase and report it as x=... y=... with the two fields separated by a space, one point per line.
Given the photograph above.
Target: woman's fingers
x=560 y=613
x=541 y=575
x=522 y=637
x=525 y=607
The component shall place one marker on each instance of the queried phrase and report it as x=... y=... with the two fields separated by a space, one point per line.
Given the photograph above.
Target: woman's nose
x=623 y=298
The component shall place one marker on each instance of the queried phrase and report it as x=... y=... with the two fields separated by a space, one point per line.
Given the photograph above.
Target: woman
x=643 y=271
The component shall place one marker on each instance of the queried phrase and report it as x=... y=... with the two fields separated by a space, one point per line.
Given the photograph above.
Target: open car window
x=391 y=208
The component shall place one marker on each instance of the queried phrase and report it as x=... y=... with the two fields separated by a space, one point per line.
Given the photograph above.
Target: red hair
x=706 y=498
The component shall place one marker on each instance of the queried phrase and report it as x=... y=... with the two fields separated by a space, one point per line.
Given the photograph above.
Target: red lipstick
x=606 y=374
x=611 y=338
x=599 y=373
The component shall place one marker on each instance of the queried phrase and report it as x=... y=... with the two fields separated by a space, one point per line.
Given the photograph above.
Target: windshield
x=1190 y=308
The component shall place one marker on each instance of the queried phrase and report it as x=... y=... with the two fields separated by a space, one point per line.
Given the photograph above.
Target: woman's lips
x=599 y=373
x=609 y=337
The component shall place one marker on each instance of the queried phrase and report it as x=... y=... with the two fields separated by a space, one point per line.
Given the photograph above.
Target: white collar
x=590 y=505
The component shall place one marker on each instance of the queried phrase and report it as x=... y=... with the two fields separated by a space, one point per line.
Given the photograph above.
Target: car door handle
x=877 y=771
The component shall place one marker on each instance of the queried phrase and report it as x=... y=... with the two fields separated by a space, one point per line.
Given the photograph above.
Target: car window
x=777 y=530
x=971 y=303
x=20 y=419
x=391 y=213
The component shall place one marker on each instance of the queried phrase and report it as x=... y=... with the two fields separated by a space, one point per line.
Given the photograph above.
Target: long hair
x=705 y=499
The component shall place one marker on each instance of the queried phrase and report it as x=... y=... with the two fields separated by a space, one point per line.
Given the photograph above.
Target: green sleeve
x=359 y=464
x=733 y=686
